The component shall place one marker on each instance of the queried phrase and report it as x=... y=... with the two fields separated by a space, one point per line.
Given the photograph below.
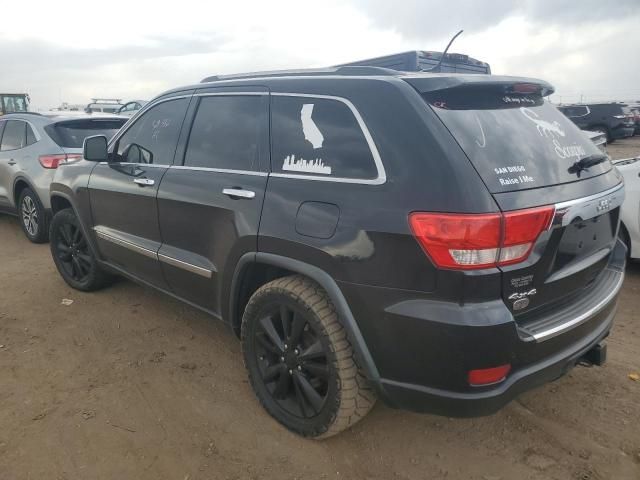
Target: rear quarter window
x=14 y=136
x=319 y=137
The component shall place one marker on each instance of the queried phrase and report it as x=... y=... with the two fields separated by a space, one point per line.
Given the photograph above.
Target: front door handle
x=12 y=162
x=238 y=193
x=144 y=182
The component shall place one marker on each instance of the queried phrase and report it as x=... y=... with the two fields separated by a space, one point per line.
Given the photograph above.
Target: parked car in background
x=69 y=107
x=630 y=226
x=432 y=261
x=32 y=146
x=103 y=105
x=635 y=111
x=629 y=231
x=613 y=119
x=131 y=108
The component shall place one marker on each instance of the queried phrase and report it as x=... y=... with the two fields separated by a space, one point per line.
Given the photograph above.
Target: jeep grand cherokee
x=442 y=242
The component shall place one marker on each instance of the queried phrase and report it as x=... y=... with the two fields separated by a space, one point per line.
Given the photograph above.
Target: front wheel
x=301 y=364
x=74 y=259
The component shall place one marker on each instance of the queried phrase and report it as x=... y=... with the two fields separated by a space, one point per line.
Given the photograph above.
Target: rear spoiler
x=434 y=82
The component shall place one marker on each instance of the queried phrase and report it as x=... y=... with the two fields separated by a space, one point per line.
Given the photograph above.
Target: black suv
x=613 y=119
x=443 y=242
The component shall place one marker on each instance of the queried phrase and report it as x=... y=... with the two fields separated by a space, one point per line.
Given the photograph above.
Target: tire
x=72 y=255
x=322 y=352
x=33 y=217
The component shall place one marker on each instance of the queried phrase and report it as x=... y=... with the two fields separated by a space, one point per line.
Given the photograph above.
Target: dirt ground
x=129 y=384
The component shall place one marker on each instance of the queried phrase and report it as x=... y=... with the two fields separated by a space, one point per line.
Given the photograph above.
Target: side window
x=31 y=137
x=154 y=136
x=227 y=132
x=320 y=137
x=14 y=136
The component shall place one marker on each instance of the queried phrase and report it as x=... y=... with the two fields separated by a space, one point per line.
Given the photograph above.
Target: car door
x=123 y=191
x=209 y=207
x=13 y=140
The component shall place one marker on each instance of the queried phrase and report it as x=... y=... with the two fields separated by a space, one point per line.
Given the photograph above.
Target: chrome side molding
x=189 y=267
x=109 y=236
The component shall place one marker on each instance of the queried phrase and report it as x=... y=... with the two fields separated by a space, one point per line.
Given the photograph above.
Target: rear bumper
x=420 y=398
x=424 y=349
x=622 y=132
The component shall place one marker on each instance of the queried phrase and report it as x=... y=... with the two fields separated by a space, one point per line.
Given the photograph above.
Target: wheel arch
x=62 y=200
x=19 y=184
x=282 y=266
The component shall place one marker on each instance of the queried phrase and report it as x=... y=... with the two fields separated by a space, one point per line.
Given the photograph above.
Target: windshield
x=516 y=141
x=72 y=134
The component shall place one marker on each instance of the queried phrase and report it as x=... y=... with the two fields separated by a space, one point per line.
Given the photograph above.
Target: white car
x=129 y=109
x=630 y=170
x=630 y=226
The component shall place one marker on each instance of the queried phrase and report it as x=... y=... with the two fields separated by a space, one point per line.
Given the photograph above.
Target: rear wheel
x=33 y=218
x=300 y=362
x=71 y=254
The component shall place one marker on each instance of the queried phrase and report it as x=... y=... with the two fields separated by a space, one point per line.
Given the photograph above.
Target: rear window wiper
x=587 y=162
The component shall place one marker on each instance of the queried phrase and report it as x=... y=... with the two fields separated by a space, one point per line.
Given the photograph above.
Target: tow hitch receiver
x=596 y=356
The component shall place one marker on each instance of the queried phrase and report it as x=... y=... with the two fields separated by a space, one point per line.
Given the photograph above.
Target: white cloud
x=74 y=50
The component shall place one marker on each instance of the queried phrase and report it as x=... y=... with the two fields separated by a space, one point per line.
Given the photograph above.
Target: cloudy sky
x=73 y=50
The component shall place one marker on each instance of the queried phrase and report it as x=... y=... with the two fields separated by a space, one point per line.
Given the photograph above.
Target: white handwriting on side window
x=158 y=125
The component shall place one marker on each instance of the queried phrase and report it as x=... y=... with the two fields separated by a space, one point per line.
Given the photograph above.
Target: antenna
x=437 y=67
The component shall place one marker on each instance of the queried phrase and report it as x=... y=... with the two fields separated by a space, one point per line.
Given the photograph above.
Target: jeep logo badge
x=521 y=299
x=603 y=205
x=520 y=304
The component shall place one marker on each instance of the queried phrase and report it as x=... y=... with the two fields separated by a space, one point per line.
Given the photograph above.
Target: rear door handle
x=145 y=182
x=239 y=193
x=12 y=162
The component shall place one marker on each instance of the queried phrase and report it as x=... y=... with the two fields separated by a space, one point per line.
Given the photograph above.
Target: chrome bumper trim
x=558 y=329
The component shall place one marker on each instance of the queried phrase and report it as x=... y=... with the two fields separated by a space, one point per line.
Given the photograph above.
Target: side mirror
x=134 y=153
x=95 y=149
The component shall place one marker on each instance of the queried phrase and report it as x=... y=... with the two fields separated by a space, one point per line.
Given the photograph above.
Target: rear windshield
x=71 y=134
x=516 y=141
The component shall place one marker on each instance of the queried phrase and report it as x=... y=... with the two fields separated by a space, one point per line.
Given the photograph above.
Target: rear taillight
x=474 y=241
x=53 y=161
x=525 y=88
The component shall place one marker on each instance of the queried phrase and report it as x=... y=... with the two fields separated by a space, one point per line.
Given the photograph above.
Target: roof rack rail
x=23 y=113
x=106 y=100
x=342 y=71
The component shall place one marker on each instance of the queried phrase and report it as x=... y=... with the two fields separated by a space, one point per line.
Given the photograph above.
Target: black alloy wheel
x=292 y=361
x=72 y=254
x=300 y=361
